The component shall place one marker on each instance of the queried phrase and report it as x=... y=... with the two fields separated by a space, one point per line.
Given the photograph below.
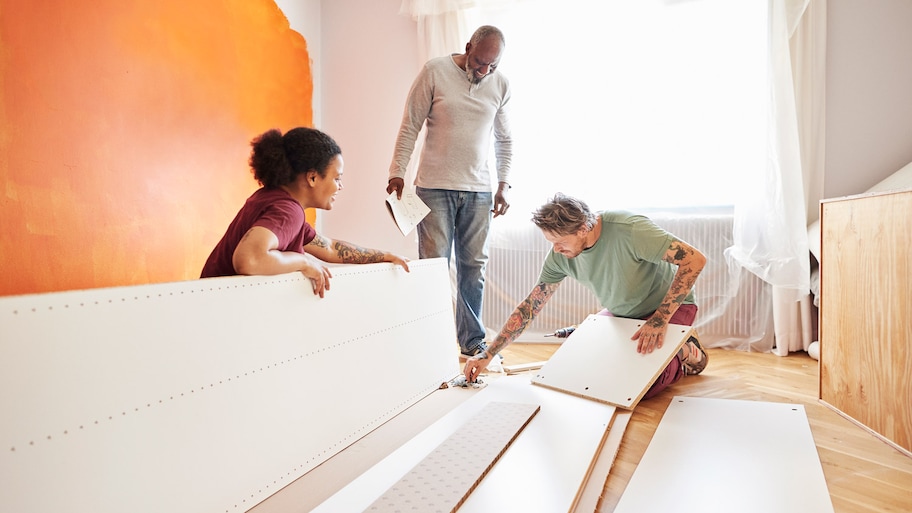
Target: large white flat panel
x=599 y=361
x=724 y=455
x=542 y=471
x=208 y=395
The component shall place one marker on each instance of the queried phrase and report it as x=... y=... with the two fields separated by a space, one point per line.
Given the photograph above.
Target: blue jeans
x=458 y=224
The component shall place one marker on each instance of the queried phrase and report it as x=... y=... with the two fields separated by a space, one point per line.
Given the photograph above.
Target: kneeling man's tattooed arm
x=523 y=314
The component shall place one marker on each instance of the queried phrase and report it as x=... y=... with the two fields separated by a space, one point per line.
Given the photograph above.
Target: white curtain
x=771 y=227
x=441 y=26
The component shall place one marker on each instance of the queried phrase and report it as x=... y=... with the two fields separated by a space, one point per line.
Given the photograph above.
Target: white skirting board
x=599 y=361
x=723 y=455
x=543 y=470
x=209 y=395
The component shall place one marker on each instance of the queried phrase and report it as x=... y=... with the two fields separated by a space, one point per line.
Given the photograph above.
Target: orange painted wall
x=125 y=129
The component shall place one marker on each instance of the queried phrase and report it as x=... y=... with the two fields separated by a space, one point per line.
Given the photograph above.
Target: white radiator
x=735 y=307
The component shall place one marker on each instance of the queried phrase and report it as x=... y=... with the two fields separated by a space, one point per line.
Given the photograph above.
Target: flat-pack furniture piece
x=209 y=395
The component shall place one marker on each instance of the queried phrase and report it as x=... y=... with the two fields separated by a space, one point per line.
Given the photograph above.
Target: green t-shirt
x=624 y=269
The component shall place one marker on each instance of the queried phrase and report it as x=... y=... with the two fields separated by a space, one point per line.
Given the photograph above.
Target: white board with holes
x=712 y=454
x=209 y=395
x=599 y=361
x=448 y=474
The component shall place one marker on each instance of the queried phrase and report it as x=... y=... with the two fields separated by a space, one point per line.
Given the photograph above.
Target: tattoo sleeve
x=523 y=314
x=690 y=262
x=352 y=254
x=319 y=241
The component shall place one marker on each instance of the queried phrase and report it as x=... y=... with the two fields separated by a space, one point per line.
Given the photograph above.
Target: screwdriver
x=563 y=332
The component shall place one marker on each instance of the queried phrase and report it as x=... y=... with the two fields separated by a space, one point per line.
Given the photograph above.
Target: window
x=634 y=103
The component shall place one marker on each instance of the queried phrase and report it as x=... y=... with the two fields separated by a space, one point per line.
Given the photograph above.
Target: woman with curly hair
x=270 y=235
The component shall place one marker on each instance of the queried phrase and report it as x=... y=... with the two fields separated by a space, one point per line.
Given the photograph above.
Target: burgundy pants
x=684 y=315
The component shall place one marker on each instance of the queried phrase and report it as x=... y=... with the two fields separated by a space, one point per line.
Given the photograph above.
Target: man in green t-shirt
x=633 y=267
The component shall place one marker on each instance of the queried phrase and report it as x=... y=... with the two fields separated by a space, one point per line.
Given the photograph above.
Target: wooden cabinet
x=866 y=312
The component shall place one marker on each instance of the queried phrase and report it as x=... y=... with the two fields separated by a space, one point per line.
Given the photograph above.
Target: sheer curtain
x=773 y=213
x=441 y=25
x=617 y=103
x=796 y=322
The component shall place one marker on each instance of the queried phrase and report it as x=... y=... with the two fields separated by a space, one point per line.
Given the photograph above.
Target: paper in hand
x=408 y=211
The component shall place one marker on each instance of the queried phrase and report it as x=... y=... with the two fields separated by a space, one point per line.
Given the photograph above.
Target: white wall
x=869 y=93
x=369 y=62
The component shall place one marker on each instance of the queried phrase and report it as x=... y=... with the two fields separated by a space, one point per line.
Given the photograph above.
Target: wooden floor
x=863 y=473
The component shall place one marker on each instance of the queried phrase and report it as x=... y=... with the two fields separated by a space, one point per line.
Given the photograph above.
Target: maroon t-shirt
x=273 y=209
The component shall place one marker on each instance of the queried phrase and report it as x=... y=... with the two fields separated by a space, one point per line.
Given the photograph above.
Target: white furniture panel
x=208 y=395
x=446 y=476
x=600 y=362
x=724 y=455
x=591 y=496
x=543 y=470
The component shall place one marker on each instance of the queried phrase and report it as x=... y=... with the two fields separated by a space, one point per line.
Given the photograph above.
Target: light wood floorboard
x=863 y=473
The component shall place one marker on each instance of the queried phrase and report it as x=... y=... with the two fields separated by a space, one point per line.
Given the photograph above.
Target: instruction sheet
x=408 y=211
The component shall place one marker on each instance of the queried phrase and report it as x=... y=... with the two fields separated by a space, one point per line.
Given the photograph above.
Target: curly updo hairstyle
x=277 y=159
